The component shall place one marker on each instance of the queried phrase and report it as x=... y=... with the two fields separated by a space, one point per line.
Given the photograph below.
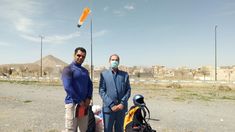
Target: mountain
x=51 y=61
x=52 y=66
x=47 y=61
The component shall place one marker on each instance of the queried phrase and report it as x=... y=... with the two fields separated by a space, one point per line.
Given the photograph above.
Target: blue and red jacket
x=77 y=83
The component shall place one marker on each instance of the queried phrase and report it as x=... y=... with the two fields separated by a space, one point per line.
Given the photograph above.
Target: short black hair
x=114 y=55
x=81 y=49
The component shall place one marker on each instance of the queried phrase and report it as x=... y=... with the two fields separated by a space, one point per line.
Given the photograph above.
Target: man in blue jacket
x=78 y=88
x=115 y=90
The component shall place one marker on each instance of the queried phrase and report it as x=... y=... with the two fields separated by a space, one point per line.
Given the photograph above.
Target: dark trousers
x=114 y=120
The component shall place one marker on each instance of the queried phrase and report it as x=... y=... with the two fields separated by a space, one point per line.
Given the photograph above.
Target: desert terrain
x=40 y=108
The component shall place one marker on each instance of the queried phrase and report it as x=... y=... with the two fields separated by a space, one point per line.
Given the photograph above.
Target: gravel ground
x=40 y=108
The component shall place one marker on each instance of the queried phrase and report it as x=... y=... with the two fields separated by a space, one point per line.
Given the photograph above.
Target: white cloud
x=106 y=8
x=129 y=7
x=30 y=37
x=54 y=39
x=62 y=38
x=19 y=13
x=100 y=33
x=59 y=39
x=124 y=10
x=118 y=12
x=16 y=9
x=24 y=24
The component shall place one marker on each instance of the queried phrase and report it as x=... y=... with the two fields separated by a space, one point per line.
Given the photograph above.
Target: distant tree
x=10 y=70
x=47 y=71
x=138 y=74
x=204 y=71
x=193 y=72
x=182 y=71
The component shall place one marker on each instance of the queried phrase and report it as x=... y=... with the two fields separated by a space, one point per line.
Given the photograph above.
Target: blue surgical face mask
x=114 y=64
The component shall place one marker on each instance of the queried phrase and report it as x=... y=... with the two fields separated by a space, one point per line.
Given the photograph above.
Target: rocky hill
x=51 y=61
x=50 y=65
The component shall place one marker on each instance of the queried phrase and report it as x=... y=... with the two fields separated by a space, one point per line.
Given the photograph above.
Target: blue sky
x=143 y=32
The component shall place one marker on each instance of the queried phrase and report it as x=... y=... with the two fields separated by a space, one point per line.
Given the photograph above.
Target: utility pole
x=41 y=37
x=216 y=52
x=92 y=67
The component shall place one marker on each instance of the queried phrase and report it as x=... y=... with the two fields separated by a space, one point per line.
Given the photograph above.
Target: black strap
x=148 y=128
x=144 y=108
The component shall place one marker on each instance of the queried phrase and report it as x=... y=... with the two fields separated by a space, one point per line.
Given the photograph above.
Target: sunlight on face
x=79 y=57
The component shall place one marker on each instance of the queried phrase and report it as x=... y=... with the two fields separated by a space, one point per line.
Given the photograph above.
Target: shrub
x=174 y=85
x=224 y=88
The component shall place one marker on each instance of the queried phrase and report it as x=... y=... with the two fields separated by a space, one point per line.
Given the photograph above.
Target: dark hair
x=114 y=55
x=81 y=49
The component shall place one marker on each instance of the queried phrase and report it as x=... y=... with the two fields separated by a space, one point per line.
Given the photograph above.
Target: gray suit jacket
x=114 y=93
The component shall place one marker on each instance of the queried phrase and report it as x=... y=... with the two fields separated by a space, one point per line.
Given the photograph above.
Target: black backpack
x=135 y=120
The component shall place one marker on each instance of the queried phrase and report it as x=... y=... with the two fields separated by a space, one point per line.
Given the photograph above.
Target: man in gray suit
x=115 y=90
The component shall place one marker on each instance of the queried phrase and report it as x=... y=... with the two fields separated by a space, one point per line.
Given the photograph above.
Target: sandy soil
x=40 y=108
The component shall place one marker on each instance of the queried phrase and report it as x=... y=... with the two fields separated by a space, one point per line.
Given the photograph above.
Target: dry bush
x=224 y=88
x=174 y=85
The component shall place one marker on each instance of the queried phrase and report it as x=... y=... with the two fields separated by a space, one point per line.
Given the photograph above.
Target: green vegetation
x=27 y=130
x=27 y=101
x=179 y=98
x=53 y=130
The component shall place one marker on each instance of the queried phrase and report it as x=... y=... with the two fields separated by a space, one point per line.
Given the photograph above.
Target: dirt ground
x=40 y=108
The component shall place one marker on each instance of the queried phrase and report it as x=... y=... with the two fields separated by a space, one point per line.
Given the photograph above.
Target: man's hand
x=114 y=108
x=120 y=106
x=117 y=107
x=87 y=103
x=81 y=103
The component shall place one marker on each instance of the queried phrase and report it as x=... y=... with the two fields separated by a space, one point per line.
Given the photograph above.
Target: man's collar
x=114 y=70
x=76 y=64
